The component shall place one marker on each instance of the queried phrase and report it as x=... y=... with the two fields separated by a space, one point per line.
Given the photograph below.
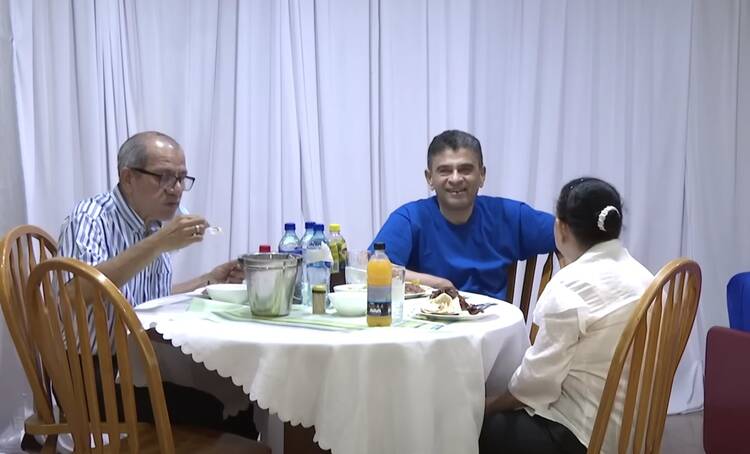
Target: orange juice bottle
x=379 y=276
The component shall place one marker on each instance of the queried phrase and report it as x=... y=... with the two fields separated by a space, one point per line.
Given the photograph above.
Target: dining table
x=417 y=386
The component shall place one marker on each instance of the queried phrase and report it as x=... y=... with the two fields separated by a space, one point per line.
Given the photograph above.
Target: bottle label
x=336 y=257
x=378 y=300
x=290 y=250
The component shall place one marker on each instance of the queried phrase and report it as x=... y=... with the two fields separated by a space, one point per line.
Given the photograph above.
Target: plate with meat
x=412 y=290
x=448 y=305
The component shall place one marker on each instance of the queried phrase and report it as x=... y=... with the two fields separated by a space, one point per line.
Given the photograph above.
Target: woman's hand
x=500 y=403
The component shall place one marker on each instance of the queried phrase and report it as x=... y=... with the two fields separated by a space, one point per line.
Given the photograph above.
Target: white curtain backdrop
x=321 y=110
x=13 y=386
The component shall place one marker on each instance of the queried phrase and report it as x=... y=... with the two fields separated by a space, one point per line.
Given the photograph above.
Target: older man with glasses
x=128 y=233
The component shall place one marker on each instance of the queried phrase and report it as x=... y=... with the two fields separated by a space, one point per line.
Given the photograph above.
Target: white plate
x=165 y=301
x=426 y=291
x=463 y=316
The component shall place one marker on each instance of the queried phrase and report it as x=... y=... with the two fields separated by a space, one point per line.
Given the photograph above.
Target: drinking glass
x=397 y=292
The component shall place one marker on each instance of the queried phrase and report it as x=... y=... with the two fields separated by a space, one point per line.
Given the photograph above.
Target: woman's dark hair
x=583 y=206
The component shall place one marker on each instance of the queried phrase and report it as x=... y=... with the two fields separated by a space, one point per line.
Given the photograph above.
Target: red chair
x=726 y=417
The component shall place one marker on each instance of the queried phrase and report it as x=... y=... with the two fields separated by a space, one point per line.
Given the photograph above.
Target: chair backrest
x=528 y=282
x=72 y=305
x=21 y=250
x=726 y=416
x=653 y=342
x=738 y=301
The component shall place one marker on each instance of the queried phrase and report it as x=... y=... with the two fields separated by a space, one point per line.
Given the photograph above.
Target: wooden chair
x=65 y=297
x=21 y=249
x=653 y=342
x=527 y=287
x=528 y=282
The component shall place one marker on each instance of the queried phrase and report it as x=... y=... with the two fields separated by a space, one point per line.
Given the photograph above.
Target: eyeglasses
x=168 y=180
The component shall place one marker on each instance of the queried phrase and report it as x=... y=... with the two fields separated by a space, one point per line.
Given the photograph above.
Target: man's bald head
x=134 y=151
x=152 y=171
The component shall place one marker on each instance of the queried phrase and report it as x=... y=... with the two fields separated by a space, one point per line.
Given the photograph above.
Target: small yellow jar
x=319 y=299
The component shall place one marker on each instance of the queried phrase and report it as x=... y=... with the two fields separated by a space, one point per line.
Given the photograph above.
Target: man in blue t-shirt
x=457 y=238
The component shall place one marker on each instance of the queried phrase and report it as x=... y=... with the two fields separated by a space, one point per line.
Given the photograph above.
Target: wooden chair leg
x=50 y=444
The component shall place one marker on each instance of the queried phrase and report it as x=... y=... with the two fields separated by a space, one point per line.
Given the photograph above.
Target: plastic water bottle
x=318 y=262
x=290 y=244
x=305 y=290
x=307 y=236
x=319 y=234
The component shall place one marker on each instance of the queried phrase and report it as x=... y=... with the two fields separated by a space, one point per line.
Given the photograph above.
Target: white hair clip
x=603 y=216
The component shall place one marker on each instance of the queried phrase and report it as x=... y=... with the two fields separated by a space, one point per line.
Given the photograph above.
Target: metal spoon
x=210 y=230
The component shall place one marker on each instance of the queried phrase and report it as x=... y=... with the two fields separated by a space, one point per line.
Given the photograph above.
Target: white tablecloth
x=383 y=390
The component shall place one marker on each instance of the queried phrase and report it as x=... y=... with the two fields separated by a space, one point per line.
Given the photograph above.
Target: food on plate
x=443 y=304
x=448 y=301
x=410 y=288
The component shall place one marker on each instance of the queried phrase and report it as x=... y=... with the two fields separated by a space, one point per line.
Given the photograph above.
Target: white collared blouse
x=581 y=315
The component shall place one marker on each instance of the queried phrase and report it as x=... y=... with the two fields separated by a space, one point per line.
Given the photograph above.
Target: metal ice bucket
x=270 y=282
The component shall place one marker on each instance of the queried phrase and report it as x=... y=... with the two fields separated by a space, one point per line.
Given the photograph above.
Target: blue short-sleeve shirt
x=474 y=256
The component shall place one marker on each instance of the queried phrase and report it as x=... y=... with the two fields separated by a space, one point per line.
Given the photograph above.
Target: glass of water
x=397 y=292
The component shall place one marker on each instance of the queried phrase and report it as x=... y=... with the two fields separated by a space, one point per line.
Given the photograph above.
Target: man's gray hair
x=134 y=151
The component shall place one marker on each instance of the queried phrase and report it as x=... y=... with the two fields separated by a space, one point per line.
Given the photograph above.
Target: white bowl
x=350 y=288
x=230 y=293
x=349 y=304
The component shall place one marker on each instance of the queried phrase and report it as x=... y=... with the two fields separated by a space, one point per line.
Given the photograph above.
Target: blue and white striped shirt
x=104 y=226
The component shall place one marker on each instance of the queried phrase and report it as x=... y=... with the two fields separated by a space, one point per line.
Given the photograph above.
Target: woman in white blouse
x=553 y=396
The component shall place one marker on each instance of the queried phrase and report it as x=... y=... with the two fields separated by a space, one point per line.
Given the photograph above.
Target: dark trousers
x=186 y=406
x=190 y=406
x=515 y=432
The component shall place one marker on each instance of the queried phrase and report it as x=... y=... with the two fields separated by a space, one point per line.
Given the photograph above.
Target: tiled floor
x=683 y=434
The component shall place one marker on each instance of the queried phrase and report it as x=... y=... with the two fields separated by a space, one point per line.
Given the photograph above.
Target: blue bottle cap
x=319 y=228
x=290 y=226
x=309 y=225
